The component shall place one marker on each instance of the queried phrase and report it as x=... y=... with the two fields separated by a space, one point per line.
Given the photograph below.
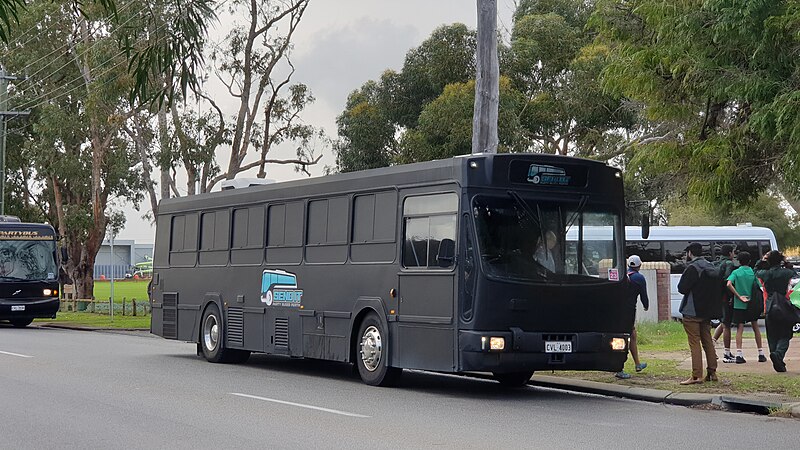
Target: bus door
x=427 y=284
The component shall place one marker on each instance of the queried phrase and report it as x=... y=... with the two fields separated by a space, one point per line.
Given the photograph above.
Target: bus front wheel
x=371 y=352
x=212 y=333
x=513 y=379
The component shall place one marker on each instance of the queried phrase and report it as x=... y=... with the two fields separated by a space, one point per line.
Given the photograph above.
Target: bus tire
x=212 y=339
x=371 y=350
x=21 y=323
x=514 y=379
x=212 y=335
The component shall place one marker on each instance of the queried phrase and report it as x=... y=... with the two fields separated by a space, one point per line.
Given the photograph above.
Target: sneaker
x=622 y=375
x=729 y=358
x=740 y=360
x=762 y=358
x=777 y=362
x=641 y=367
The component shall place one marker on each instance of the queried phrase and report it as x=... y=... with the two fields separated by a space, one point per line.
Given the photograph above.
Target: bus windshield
x=530 y=240
x=27 y=260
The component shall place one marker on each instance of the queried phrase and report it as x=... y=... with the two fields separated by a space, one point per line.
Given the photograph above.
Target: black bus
x=28 y=271
x=475 y=263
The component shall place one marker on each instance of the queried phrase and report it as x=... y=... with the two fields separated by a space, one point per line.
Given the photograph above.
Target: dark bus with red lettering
x=472 y=264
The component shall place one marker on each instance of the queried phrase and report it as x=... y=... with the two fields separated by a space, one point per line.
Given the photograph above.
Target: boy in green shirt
x=740 y=283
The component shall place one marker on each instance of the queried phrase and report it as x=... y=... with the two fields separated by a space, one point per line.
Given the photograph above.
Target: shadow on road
x=447 y=385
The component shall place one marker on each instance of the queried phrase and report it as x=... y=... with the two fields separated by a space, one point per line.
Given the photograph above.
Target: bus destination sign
x=562 y=175
x=25 y=235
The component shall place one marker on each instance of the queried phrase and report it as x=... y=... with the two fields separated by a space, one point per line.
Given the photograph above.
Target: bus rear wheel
x=371 y=350
x=21 y=323
x=212 y=336
x=513 y=379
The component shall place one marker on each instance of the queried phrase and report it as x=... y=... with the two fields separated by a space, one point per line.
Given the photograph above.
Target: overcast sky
x=341 y=44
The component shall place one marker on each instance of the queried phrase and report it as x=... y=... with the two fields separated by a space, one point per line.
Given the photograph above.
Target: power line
x=36 y=101
x=67 y=44
x=4 y=79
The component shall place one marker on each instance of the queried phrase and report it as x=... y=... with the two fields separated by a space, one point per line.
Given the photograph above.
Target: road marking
x=16 y=354
x=300 y=405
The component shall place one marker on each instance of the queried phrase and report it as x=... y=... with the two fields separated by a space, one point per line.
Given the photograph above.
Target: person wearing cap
x=701 y=302
x=637 y=288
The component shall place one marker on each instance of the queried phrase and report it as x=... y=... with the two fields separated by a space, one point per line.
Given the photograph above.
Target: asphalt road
x=73 y=389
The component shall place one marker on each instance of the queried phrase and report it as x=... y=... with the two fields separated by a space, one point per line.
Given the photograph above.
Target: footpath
x=762 y=393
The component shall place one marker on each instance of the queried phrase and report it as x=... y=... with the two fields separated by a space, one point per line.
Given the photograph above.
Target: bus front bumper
x=526 y=351
x=28 y=308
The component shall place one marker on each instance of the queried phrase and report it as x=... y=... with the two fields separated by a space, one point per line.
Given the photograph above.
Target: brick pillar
x=664 y=301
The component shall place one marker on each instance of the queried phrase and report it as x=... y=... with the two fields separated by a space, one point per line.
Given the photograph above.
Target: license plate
x=557 y=347
x=18 y=307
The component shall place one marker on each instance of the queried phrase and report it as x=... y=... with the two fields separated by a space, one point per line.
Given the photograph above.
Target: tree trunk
x=487 y=87
x=163 y=139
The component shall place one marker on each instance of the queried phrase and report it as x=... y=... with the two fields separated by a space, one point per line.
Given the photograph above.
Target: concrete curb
x=663 y=396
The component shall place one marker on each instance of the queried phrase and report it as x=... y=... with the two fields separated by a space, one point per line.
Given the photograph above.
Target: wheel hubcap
x=371 y=348
x=211 y=333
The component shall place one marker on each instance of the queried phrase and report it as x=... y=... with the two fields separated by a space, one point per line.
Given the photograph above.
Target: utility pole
x=5 y=114
x=487 y=81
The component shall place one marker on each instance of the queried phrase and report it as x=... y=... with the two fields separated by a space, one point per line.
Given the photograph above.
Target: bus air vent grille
x=170 y=319
x=558 y=337
x=235 y=326
x=282 y=332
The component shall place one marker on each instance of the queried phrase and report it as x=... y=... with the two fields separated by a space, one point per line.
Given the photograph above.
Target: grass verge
x=663 y=345
x=128 y=289
x=91 y=320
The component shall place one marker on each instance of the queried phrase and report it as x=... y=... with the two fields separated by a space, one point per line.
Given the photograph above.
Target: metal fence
x=105 y=270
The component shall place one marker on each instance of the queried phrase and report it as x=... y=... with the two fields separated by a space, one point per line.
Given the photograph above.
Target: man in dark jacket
x=699 y=285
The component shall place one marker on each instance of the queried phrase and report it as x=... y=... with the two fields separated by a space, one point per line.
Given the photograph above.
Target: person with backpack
x=779 y=319
x=699 y=285
x=637 y=289
x=725 y=267
x=745 y=287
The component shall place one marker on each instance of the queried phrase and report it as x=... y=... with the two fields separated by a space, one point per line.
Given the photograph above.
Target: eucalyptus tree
x=72 y=153
x=721 y=77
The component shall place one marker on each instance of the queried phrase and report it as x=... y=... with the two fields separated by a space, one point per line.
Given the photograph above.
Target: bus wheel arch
x=370 y=350
x=211 y=338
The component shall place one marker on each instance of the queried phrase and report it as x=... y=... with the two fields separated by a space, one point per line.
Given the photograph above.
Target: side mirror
x=645 y=226
x=64 y=255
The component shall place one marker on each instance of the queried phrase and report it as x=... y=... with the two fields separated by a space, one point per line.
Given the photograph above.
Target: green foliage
x=550 y=100
x=446 y=57
x=765 y=211
x=445 y=125
x=720 y=76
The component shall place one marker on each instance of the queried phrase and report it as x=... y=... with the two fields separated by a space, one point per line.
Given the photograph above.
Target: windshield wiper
x=4 y=277
x=578 y=211
x=525 y=208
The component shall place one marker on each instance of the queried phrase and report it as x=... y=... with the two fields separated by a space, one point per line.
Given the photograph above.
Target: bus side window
x=429 y=235
x=766 y=247
x=749 y=247
x=649 y=251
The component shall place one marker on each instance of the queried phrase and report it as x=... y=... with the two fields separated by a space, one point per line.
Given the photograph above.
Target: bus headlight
x=618 y=344
x=497 y=343
x=48 y=292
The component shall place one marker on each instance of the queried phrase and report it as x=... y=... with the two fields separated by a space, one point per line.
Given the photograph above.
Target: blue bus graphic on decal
x=279 y=288
x=549 y=175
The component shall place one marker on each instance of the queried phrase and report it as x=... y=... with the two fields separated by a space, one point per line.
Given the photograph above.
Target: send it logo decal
x=279 y=288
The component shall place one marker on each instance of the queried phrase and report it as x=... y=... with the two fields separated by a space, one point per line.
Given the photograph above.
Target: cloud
x=339 y=60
